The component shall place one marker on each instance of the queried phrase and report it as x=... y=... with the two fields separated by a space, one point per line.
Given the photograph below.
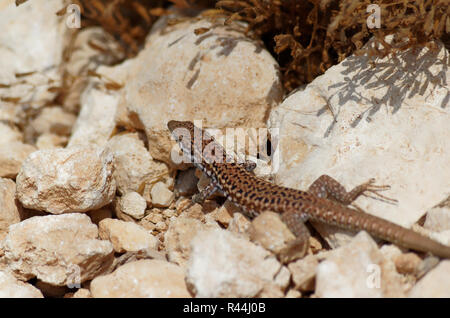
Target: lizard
x=326 y=200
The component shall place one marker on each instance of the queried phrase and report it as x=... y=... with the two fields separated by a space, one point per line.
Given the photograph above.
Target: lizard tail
x=401 y=236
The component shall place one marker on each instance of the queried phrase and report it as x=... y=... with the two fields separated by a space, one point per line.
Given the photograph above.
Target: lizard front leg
x=200 y=197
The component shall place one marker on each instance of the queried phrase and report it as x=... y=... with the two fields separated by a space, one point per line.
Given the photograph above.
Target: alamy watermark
x=73 y=16
x=234 y=140
x=374 y=19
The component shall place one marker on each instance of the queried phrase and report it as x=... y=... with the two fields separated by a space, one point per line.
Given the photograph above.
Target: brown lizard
x=325 y=201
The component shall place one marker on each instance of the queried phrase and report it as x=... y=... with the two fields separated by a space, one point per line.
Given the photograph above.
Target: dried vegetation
x=305 y=36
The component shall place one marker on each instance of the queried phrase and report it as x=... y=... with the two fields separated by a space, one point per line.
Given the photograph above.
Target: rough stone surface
x=84 y=58
x=34 y=43
x=270 y=232
x=143 y=278
x=435 y=284
x=239 y=224
x=12 y=156
x=126 y=236
x=187 y=75
x=383 y=127
x=304 y=273
x=161 y=195
x=10 y=287
x=133 y=164
x=8 y=133
x=133 y=204
x=9 y=211
x=57 y=249
x=75 y=179
x=53 y=120
x=178 y=238
x=438 y=219
x=49 y=141
x=96 y=121
x=224 y=265
x=358 y=269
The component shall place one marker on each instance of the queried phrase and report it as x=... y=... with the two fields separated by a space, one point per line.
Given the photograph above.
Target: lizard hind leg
x=328 y=188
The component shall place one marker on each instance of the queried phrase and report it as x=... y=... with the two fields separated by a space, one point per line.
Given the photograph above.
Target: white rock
x=57 y=249
x=133 y=164
x=226 y=77
x=358 y=269
x=75 y=179
x=85 y=58
x=12 y=156
x=143 y=278
x=161 y=195
x=271 y=232
x=386 y=128
x=53 y=120
x=126 y=236
x=10 y=287
x=95 y=123
x=435 y=284
x=304 y=272
x=133 y=204
x=9 y=212
x=224 y=265
x=34 y=42
x=50 y=141
x=9 y=134
x=178 y=238
x=438 y=219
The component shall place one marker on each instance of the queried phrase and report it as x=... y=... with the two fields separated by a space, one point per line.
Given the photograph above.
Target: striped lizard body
x=326 y=200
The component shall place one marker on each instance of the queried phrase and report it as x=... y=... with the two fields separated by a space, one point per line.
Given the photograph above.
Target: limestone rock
x=382 y=128
x=96 y=120
x=10 y=211
x=132 y=162
x=53 y=120
x=57 y=249
x=143 y=278
x=34 y=43
x=188 y=74
x=10 y=287
x=75 y=179
x=161 y=195
x=126 y=236
x=239 y=224
x=358 y=269
x=435 y=284
x=270 y=232
x=304 y=272
x=438 y=219
x=179 y=236
x=49 y=141
x=12 y=156
x=85 y=58
x=224 y=265
x=133 y=204
x=9 y=134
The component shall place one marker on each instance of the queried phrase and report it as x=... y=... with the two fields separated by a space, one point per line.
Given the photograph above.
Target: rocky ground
x=93 y=205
